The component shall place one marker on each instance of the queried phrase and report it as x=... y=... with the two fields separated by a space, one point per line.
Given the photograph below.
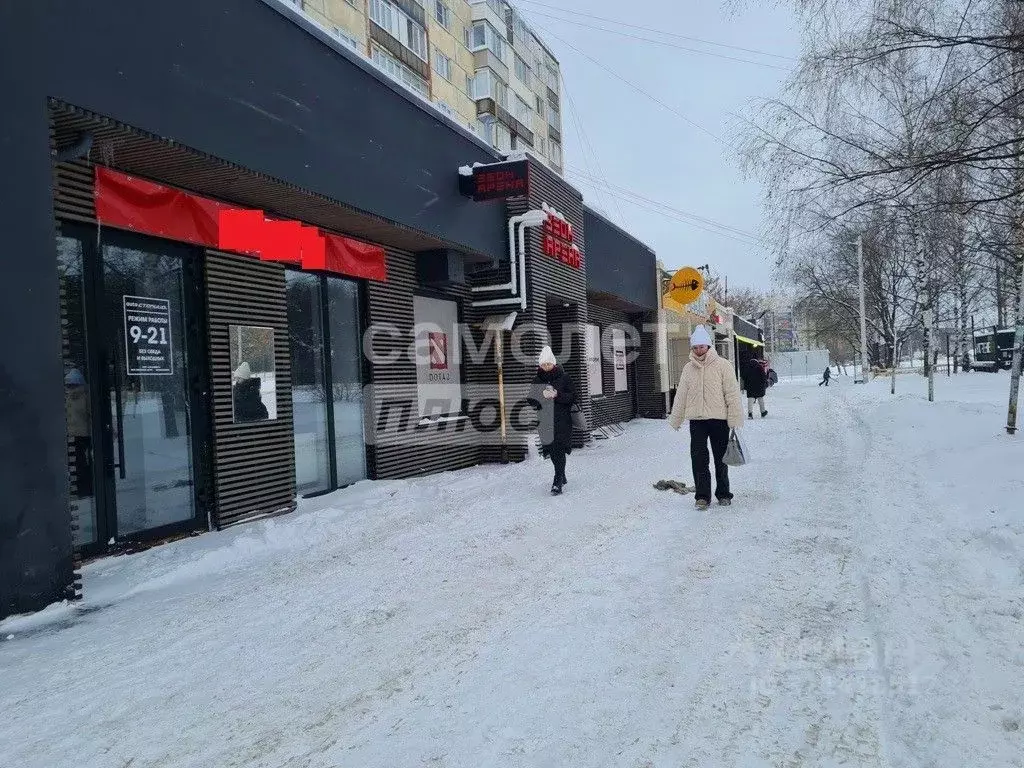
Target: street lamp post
x=863 y=313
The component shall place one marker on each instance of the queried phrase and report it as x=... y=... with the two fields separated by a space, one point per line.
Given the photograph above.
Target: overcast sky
x=648 y=149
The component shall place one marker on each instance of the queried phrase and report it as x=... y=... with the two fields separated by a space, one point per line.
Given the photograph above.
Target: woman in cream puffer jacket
x=708 y=396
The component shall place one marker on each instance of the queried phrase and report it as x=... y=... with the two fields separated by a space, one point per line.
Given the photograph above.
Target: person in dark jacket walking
x=247 y=400
x=553 y=393
x=755 y=381
x=827 y=376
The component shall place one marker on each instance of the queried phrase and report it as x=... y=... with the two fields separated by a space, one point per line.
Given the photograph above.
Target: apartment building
x=477 y=62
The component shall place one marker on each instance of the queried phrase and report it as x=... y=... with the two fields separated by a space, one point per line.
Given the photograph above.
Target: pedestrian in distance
x=826 y=377
x=708 y=396
x=755 y=381
x=553 y=393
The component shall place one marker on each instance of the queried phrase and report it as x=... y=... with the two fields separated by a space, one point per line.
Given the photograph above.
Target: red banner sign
x=127 y=202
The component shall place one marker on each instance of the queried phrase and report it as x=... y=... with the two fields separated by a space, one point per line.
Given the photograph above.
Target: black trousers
x=557 y=454
x=715 y=431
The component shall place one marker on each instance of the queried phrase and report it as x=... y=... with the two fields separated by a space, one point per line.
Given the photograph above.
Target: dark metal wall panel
x=650 y=398
x=254 y=464
x=36 y=553
x=310 y=115
x=619 y=264
x=613 y=407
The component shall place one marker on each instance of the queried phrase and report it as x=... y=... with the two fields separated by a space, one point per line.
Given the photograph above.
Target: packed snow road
x=862 y=604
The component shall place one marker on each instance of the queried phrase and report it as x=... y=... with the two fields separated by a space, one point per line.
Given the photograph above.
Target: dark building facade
x=622 y=299
x=162 y=372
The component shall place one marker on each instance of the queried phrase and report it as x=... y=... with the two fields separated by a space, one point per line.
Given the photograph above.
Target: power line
x=642 y=92
x=665 y=43
x=651 y=29
x=728 y=229
x=585 y=142
x=671 y=214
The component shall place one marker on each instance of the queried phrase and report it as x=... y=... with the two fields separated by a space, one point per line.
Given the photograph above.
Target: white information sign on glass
x=593 y=351
x=619 y=359
x=148 y=345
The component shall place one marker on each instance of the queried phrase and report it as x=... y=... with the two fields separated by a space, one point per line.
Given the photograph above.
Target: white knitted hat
x=547 y=357
x=701 y=337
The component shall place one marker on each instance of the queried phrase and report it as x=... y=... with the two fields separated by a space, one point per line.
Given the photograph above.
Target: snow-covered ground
x=861 y=605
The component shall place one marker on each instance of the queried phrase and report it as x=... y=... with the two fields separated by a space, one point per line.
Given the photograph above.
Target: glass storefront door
x=327 y=383
x=346 y=380
x=134 y=383
x=309 y=394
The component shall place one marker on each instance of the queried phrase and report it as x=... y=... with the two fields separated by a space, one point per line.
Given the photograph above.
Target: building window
x=555 y=153
x=522 y=70
x=470 y=80
x=502 y=138
x=443 y=14
x=442 y=64
x=400 y=26
x=551 y=77
x=540 y=108
x=541 y=146
x=554 y=117
x=347 y=39
x=488 y=85
x=486 y=36
x=485 y=129
x=397 y=71
x=522 y=111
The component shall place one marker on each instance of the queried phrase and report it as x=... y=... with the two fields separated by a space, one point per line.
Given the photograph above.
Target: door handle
x=119 y=432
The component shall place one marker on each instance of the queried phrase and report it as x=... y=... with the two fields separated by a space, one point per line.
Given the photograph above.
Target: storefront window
x=309 y=397
x=346 y=374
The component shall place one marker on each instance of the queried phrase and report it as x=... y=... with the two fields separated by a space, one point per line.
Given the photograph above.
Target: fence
x=792 y=365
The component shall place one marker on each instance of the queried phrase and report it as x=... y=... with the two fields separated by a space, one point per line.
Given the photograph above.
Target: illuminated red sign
x=497 y=182
x=558 y=242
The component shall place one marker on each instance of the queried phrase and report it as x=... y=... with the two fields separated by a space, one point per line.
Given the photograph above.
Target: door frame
x=99 y=362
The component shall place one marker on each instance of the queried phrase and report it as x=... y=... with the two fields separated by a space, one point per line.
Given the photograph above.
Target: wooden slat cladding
x=254 y=464
x=612 y=407
x=74 y=588
x=399 y=447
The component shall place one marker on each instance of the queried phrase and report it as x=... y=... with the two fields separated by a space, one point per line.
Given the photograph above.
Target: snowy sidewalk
x=861 y=605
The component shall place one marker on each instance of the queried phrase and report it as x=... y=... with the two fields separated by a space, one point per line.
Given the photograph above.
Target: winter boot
x=703 y=504
x=725 y=502
x=764 y=414
x=750 y=415
x=556 y=487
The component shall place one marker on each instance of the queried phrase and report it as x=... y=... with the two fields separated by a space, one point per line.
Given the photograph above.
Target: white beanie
x=547 y=357
x=701 y=337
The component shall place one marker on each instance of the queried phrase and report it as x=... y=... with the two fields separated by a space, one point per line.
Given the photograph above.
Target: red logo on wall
x=438 y=350
x=559 y=242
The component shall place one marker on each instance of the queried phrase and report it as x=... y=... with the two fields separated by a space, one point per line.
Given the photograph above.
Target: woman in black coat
x=755 y=380
x=553 y=393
